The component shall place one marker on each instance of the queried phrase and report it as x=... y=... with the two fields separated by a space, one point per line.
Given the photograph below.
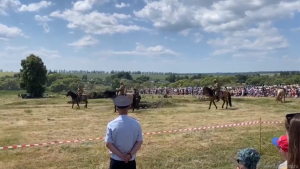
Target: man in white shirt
x=123 y=136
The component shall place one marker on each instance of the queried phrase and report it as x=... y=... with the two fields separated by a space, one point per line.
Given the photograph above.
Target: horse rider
x=136 y=92
x=79 y=92
x=122 y=89
x=217 y=89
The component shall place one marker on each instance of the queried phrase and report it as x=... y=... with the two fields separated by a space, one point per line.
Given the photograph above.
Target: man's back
x=123 y=132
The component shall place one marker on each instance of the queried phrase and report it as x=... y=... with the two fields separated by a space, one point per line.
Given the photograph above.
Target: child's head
x=282 y=145
x=248 y=158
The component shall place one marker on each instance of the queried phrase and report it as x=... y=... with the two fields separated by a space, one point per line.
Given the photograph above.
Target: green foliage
x=84 y=78
x=57 y=82
x=117 y=78
x=9 y=83
x=115 y=83
x=33 y=75
x=173 y=78
x=123 y=75
x=142 y=79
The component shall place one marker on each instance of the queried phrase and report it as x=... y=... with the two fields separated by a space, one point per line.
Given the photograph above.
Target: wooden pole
x=260 y=135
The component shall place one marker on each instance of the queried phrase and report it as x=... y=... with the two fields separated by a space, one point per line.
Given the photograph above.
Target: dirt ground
x=46 y=120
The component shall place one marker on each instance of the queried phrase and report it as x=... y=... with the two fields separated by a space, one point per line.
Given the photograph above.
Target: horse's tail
x=229 y=99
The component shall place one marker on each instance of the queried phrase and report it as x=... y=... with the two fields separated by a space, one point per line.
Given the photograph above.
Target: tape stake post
x=260 y=135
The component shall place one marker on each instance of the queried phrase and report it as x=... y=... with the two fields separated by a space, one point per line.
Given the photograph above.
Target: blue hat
x=122 y=102
x=249 y=157
x=281 y=142
x=275 y=141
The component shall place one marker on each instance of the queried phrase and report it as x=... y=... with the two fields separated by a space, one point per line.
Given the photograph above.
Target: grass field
x=2 y=74
x=47 y=120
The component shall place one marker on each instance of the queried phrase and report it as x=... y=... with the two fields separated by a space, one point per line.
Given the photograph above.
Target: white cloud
x=84 y=42
x=10 y=32
x=85 y=5
x=44 y=53
x=34 y=7
x=216 y=15
x=233 y=19
x=122 y=5
x=285 y=56
x=254 y=41
x=295 y=29
x=185 y=32
x=6 y=5
x=168 y=38
x=12 y=48
x=95 y=22
x=141 y=50
x=42 y=20
x=197 y=37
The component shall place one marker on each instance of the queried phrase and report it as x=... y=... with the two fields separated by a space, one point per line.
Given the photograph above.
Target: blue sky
x=168 y=35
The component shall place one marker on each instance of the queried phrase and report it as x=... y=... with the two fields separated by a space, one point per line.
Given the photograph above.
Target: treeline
x=171 y=73
x=57 y=82
x=237 y=80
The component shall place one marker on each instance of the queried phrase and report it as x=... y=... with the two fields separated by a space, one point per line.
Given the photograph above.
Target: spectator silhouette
x=293 y=121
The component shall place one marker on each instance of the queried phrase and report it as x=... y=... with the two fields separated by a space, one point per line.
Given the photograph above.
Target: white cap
x=122 y=101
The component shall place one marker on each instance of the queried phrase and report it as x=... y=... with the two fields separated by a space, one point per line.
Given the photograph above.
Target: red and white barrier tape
x=148 y=133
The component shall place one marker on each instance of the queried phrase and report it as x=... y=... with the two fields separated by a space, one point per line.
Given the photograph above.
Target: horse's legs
x=78 y=104
x=223 y=103
x=72 y=104
x=86 y=102
x=210 y=104
x=215 y=104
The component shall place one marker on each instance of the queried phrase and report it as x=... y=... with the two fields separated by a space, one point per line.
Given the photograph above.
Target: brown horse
x=135 y=99
x=280 y=95
x=226 y=97
x=76 y=99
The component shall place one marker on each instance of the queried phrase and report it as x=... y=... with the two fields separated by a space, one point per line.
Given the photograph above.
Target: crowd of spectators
x=248 y=91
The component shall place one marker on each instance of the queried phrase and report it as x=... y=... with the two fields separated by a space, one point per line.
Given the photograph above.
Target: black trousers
x=115 y=164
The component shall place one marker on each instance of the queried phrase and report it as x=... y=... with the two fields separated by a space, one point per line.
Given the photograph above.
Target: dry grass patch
x=41 y=120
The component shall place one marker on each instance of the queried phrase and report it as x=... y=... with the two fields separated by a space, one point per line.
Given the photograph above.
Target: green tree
x=122 y=75
x=58 y=86
x=33 y=75
x=142 y=79
x=115 y=83
x=84 y=78
x=171 y=78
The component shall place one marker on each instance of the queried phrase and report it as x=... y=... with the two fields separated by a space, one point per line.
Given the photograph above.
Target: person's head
x=121 y=83
x=293 y=120
x=123 y=104
x=215 y=80
x=248 y=158
x=282 y=144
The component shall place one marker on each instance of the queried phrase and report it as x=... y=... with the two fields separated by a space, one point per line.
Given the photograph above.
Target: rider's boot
x=218 y=98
